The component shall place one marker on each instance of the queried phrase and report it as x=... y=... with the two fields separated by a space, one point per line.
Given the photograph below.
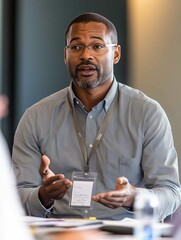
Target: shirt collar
x=106 y=102
x=110 y=95
x=73 y=99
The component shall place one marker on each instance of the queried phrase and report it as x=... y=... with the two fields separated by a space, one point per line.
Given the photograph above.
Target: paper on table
x=52 y=225
x=37 y=221
x=125 y=226
x=64 y=223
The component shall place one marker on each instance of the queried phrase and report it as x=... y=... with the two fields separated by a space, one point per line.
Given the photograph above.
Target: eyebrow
x=93 y=37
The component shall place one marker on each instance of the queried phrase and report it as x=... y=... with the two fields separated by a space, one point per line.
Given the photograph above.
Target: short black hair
x=94 y=17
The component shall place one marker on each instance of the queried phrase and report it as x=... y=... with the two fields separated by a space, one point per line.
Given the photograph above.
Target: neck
x=91 y=97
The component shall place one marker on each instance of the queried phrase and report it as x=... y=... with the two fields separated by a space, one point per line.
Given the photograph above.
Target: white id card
x=82 y=190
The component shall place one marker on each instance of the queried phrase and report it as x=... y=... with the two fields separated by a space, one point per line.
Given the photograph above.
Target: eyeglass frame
x=88 y=46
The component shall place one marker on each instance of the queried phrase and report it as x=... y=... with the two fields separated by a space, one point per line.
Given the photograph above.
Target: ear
x=117 y=54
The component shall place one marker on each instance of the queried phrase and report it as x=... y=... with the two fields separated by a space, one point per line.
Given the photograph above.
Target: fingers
x=56 y=186
x=54 y=179
x=57 y=181
x=114 y=201
x=53 y=188
x=44 y=169
x=122 y=196
x=116 y=198
x=111 y=196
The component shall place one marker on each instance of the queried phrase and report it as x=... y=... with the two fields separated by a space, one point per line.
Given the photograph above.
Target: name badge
x=83 y=189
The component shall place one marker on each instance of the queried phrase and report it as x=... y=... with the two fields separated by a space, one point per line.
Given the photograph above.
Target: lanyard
x=99 y=134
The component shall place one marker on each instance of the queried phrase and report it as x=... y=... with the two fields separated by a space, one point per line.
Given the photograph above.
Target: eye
x=76 y=47
x=98 y=46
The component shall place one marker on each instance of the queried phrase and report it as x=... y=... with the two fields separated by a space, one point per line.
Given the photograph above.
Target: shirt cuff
x=35 y=207
x=46 y=209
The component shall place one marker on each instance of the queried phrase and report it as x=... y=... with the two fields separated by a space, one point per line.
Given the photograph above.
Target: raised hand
x=44 y=170
x=54 y=186
x=122 y=196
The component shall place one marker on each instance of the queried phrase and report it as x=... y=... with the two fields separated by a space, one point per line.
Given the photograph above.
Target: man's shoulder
x=52 y=100
x=136 y=95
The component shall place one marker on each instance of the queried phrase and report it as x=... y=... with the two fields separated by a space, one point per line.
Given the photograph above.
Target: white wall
x=155 y=55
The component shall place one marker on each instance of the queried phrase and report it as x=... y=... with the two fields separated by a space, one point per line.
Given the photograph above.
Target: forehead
x=90 y=30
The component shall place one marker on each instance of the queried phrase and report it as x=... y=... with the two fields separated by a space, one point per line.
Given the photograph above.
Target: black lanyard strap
x=99 y=134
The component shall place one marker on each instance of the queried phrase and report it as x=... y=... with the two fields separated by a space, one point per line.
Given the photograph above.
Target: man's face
x=90 y=67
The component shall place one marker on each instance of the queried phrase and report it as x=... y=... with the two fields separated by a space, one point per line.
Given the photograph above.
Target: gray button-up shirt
x=137 y=144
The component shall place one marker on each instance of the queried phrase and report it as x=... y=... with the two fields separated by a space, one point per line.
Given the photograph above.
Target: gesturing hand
x=44 y=170
x=122 y=196
x=54 y=186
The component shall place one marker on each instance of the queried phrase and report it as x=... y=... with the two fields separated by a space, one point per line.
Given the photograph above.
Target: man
x=95 y=127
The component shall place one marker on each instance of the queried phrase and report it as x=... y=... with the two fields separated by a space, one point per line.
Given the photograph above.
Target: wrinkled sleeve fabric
x=159 y=162
x=26 y=158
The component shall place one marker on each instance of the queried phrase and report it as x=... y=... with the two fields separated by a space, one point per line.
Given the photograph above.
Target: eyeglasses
x=96 y=49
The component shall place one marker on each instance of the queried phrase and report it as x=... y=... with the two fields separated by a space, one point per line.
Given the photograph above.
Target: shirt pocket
x=123 y=166
x=131 y=169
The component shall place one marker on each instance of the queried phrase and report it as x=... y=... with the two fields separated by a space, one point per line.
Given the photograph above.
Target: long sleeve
x=137 y=144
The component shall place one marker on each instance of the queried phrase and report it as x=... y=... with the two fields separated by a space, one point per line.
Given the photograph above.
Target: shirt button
x=90 y=116
x=90 y=145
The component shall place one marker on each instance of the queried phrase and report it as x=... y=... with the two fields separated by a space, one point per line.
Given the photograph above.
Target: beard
x=85 y=83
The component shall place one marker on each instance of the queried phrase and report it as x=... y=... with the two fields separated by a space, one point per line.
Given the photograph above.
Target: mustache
x=87 y=62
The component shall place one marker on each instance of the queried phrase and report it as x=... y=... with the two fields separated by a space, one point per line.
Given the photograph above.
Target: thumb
x=121 y=183
x=44 y=169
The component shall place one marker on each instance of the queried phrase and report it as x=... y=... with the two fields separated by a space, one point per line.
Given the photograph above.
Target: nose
x=86 y=53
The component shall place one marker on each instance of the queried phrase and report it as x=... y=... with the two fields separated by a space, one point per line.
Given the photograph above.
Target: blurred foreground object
x=176 y=221
x=80 y=235
x=145 y=212
x=11 y=225
x=3 y=106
